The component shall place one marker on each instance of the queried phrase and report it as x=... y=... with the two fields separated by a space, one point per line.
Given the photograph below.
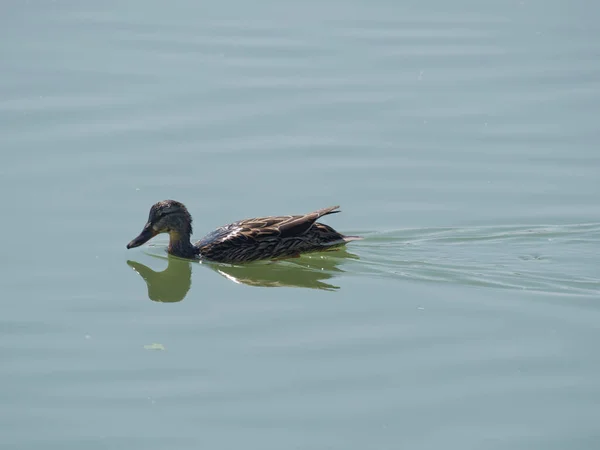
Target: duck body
x=261 y=238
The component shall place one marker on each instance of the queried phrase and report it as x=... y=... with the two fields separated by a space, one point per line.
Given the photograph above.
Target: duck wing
x=283 y=226
x=264 y=228
x=270 y=237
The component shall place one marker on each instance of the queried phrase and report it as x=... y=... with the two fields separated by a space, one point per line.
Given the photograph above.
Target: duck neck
x=180 y=245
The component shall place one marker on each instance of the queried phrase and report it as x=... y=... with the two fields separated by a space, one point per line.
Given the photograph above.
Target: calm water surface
x=460 y=138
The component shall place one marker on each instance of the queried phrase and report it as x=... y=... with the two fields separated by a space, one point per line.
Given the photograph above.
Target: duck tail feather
x=325 y=211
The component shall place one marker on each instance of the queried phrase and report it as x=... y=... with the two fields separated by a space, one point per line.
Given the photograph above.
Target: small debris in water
x=154 y=347
x=420 y=308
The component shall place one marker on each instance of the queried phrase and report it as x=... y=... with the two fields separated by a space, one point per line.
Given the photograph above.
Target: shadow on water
x=313 y=272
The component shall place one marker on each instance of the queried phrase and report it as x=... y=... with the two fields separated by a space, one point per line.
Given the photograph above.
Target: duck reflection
x=169 y=286
x=313 y=272
x=306 y=272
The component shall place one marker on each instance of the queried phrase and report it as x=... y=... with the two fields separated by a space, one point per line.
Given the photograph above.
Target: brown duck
x=243 y=241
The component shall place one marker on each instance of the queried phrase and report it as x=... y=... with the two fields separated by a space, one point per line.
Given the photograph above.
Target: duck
x=248 y=240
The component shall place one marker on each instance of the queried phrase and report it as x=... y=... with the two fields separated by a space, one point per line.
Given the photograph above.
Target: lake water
x=460 y=138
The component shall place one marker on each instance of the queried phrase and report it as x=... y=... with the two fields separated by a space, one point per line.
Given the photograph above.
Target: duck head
x=167 y=216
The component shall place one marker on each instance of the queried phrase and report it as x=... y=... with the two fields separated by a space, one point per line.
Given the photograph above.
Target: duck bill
x=146 y=234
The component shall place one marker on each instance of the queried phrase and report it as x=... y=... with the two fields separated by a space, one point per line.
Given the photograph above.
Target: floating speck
x=154 y=347
x=87 y=336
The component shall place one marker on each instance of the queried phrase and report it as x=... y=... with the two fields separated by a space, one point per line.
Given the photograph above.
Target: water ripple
x=550 y=259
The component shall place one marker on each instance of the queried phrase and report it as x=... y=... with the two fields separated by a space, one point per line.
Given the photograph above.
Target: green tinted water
x=460 y=139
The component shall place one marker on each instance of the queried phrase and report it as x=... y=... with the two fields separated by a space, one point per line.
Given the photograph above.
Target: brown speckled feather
x=271 y=238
